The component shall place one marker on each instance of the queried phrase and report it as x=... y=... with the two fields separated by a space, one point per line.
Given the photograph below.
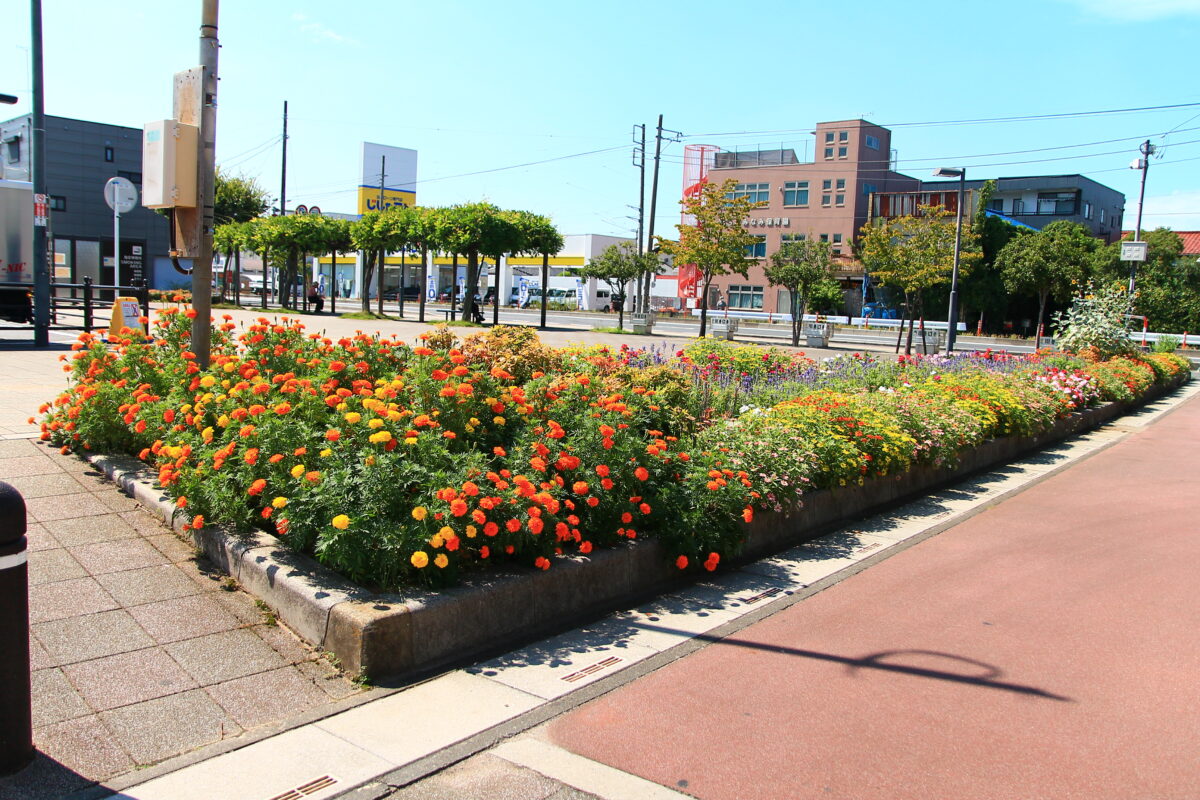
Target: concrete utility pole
x=639 y=160
x=41 y=257
x=643 y=301
x=283 y=168
x=206 y=188
x=1146 y=149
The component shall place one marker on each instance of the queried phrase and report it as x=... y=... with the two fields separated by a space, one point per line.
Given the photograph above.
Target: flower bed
x=401 y=465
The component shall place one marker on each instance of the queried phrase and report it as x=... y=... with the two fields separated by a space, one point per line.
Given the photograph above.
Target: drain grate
x=308 y=789
x=749 y=601
x=591 y=670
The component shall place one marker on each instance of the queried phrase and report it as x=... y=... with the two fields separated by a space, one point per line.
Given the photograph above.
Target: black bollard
x=16 y=715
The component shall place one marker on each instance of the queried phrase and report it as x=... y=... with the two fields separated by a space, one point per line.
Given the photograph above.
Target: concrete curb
x=414 y=633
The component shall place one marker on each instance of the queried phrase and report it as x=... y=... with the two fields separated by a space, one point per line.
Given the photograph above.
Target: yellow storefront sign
x=369 y=199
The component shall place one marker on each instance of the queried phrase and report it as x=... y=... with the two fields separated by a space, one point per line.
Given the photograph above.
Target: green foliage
x=1048 y=262
x=914 y=253
x=1165 y=344
x=800 y=267
x=1167 y=285
x=715 y=244
x=616 y=266
x=1096 y=323
x=237 y=199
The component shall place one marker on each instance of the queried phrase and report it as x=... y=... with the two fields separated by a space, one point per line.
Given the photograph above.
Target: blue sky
x=475 y=85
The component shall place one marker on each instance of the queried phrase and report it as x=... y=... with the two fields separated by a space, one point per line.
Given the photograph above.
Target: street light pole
x=952 y=313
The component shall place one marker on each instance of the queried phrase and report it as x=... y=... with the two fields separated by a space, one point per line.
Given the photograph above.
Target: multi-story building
x=827 y=199
x=80 y=158
x=851 y=181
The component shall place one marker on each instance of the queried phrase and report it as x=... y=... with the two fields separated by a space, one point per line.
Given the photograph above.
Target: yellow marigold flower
x=411 y=440
x=297 y=470
x=207 y=434
x=375 y=423
x=446 y=532
x=475 y=421
x=420 y=559
x=341 y=522
x=353 y=417
x=394 y=416
x=471 y=531
x=369 y=461
x=223 y=421
x=436 y=541
x=498 y=420
x=380 y=436
x=441 y=561
x=341 y=406
x=208 y=381
x=420 y=512
x=326 y=453
x=280 y=502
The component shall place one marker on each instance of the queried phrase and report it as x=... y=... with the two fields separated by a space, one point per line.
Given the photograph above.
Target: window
x=837 y=238
x=824 y=237
x=839 y=200
x=1018 y=206
x=741 y=296
x=872 y=141
x=793 y=237
x=754 y=192
x=108 y=153
x=842 y=152
x=828 y=153
x=12 y=149
x=996 y=205
x=843 y=136
x=795 y=193
x=1087 y=210
x=1102 y=216
x=841 y=184
x=868 y=188
x=758 y=249
x=58 y=202
x=828 y=137
x=827 y=185
x=826 y=200
x=1057 y=203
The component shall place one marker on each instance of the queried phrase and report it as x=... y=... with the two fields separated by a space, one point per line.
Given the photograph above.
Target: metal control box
x=169 y=164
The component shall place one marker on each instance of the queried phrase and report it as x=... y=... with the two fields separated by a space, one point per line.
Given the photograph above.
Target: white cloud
x=1179 y=211
x=319 y=32
x=1138 y=10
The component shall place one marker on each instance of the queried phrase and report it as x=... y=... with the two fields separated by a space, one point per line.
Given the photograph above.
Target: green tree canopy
x=1048 y=263
x=616 y=266
x=237 y=198
x=716 y=243
x=799 y=267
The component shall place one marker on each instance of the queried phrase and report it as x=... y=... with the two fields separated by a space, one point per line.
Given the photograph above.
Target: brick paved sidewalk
x=139 y=650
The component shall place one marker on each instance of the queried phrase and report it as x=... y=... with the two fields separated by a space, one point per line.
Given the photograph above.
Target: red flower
x=580 y=487
x=458 y=507
x=681 y=562
x=542 y=563
x=748 y=513
x=641 y=473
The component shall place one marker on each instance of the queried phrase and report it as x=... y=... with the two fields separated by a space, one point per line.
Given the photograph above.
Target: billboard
x=387 y=177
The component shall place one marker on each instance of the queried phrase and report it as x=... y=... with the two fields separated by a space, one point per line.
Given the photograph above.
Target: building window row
x=745 y=296
x=754 y=192
x=795 y=193
x=758 y=249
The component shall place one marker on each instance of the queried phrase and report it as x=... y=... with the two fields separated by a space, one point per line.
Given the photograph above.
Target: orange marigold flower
x=748 y=513
x=458 y=507
x=513 y=525
x=627 y=518
x=312 y=476
x=642 y=473
x=500 y=451
x=644 y=508
x=450 y=435
x=479 y=516
x=580 y=487
x=257 y=487
x=198 y=522
x=491 y=529
x=333 y=435
x=251 y=456
x=602 y=470
x=181 y=502
x=593 y=501
x=542 y=563
x=275 y=459
x=585 y=547
x=681 y=562
x=711 y=562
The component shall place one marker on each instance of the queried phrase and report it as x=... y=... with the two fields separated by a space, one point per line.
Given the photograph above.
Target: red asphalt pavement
x=1048 y=647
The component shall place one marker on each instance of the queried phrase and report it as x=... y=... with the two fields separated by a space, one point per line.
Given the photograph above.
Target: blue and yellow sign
x=369 y=199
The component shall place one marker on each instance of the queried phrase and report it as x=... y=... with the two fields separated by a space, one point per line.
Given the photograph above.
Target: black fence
x=73 y=306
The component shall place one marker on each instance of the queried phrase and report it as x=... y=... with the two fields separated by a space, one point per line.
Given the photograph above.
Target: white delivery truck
x=16 y=251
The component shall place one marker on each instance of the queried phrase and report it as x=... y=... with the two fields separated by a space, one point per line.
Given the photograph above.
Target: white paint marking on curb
x=15 y=560
x=581 y=773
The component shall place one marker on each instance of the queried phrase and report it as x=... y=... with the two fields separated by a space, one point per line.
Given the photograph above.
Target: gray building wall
x=80 y=158
x=1097 y=207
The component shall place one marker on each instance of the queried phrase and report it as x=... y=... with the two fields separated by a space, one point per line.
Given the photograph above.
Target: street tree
x=718 y=241
x=237 y=198
x=799 y=267
x=1167 y=288
x=914 y=253
x=287 y=240
x=1048 y=263
x=540 y=237
x=616 y=266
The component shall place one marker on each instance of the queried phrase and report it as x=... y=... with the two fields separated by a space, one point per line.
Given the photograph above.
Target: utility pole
x=639 y=161
x=41 y=257
x=658 y=140
x=206 y=188
x=283 y=168
x=1146 y=149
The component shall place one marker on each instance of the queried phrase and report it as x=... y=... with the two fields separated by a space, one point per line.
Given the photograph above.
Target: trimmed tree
x=799 y=267
x=915 y=253
x=616 y=266
x=716 y=244
x=1048 y=262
